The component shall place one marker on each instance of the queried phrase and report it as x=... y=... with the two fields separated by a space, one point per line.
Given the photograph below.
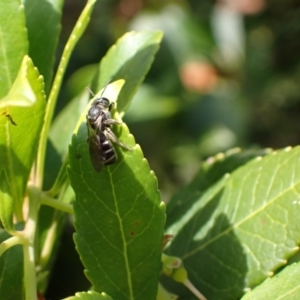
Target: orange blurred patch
x=245 y=7
x=198 y=76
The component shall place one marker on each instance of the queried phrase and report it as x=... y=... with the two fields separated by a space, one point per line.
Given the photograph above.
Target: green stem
x=65 y=207
x=15 y=240
x=73 y=39
x=28 y=246
x=29 y=272
x=48 y=245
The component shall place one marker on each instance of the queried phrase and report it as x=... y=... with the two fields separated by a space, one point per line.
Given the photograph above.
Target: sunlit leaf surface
x=119 y=218
x=238 y=231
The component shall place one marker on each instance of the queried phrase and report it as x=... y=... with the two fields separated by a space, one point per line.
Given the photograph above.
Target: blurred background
x=227 y=74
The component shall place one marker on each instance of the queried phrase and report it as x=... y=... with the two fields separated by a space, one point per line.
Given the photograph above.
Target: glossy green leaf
x=80 y=80
x=6 y=203
x=211 y=171
x=163 y=294
x=148 y=104
x=13 y=42
x=89 y=296
x=61 y=131
x=129 y=59
x=43 y=25
x=21 y=92
x=119 y=217
x=240 y=230
x=285 y=285
x=11 y=271
x=19 y=141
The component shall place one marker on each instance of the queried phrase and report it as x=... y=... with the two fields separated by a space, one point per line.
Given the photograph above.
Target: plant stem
x=48 y=245
x=65 y=207
x=14 y=240
x=73 y=39
x=29 y=272
x=192 y=288
x=28 y=246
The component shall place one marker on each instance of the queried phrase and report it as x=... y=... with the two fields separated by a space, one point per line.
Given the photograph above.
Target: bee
x=100 y=135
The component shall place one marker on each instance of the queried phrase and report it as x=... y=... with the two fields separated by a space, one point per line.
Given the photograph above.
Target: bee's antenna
x=107 y=83
x=91 y=92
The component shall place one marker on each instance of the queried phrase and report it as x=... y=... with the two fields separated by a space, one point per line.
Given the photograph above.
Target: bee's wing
x=95 y=147
x=98 y=124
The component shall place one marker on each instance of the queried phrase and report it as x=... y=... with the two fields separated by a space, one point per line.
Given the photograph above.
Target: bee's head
x=104 y=102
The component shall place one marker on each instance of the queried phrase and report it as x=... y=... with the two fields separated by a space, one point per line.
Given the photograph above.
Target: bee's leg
x=111 y=136
x=111 y=106
x=111 y=121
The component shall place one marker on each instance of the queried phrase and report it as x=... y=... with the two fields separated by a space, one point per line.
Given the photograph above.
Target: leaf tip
x=162 y=205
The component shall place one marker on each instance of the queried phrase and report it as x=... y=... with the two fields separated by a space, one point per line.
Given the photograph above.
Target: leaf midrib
x=123 y=238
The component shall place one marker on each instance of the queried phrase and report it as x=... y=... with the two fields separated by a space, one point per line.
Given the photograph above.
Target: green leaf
x=163 y=294
x=285 y=285
x=61 y=131
x=212 y=170
x=242 y=228
x=21 y=92
x=148 y=105
x=60 y=181
x=89 y=296
x=129 y=59
x=13 y=42
x=6 y=203
x=80 y=80
x=119 y=217
x=43 y=24
x=18 y=143
x=11 y=270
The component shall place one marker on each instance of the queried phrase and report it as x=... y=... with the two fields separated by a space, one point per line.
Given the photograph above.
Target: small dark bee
x=100 y=135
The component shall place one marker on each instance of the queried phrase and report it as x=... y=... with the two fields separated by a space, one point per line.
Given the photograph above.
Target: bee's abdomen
x=109 y=154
